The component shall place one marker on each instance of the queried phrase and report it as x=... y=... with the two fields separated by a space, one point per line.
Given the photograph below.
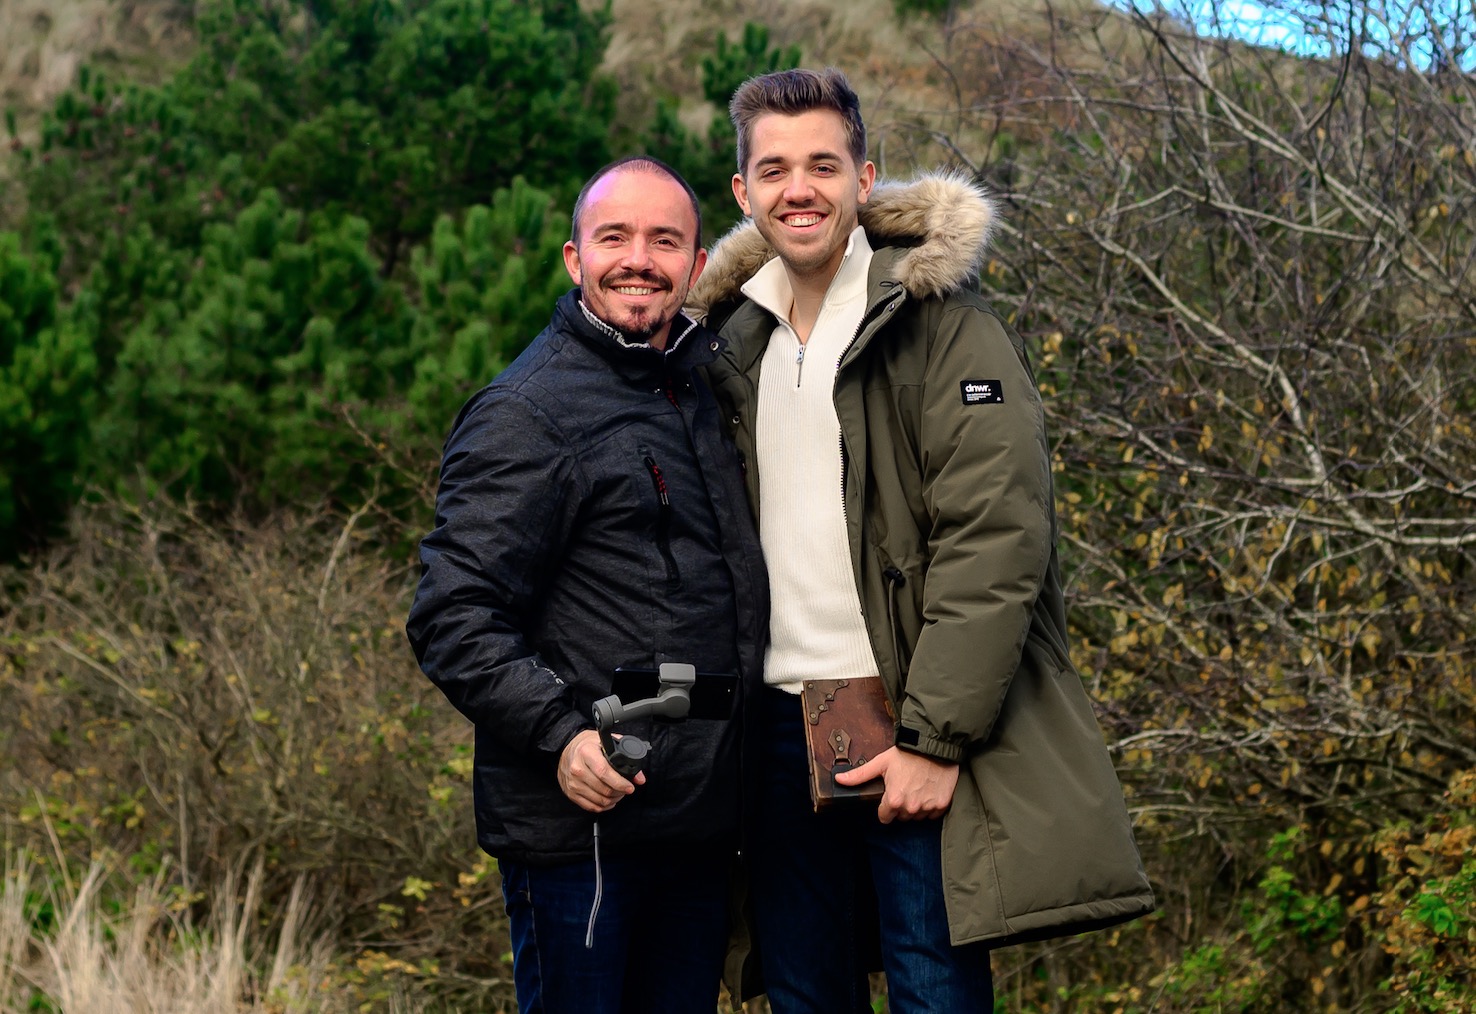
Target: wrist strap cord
x=589 y=934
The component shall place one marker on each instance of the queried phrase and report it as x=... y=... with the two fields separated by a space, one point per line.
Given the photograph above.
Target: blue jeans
x=659 y=938
x=822 y=883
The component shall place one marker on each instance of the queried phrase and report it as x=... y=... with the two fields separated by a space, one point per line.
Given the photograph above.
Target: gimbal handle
x=672 y=701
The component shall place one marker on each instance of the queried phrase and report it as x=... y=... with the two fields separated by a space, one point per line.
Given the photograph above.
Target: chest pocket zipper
x=663 y=520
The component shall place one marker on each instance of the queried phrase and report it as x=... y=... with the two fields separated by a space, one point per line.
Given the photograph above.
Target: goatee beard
x=633 y=336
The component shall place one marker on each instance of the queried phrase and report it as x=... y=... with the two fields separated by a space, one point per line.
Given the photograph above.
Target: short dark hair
x=792 y=92
x=640 y=164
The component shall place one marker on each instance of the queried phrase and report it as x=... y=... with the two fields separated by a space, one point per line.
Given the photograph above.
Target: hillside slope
x=915 y=79
x=45 y=41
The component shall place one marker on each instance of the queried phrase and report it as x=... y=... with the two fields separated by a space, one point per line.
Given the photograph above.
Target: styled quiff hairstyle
x=635 y=164
x=792 y=92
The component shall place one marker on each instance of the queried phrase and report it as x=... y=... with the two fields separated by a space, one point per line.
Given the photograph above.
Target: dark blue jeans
x=659 y=938
x=822 y=882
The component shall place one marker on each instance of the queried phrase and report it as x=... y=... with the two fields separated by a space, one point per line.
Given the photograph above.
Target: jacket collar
x=940 y=226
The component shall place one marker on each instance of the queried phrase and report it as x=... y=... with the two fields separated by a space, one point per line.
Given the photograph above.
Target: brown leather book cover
x=848 y=722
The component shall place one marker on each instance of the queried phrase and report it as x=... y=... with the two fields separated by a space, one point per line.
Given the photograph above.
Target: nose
x=797 y=190
x=637 y=254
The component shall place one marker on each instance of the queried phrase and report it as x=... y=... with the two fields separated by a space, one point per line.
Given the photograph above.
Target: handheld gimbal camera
x=673 y=700
x=673 y=692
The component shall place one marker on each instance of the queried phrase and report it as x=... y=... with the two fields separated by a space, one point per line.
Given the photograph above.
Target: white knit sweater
x=816 y=627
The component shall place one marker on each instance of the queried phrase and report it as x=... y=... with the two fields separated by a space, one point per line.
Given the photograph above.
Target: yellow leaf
x=416 y=888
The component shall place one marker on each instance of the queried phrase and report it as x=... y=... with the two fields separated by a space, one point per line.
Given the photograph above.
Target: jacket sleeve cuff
x=912 y=741
x=562 y=732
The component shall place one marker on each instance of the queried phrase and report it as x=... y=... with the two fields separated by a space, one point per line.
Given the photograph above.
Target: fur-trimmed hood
x=945 y=220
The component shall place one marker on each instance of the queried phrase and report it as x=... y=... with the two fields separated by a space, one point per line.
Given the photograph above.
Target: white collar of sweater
x=769 y=287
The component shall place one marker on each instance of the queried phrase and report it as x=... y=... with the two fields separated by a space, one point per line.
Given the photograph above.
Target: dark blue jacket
x=591 y=514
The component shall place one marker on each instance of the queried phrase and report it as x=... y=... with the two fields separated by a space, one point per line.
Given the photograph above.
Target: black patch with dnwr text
x=982 y=392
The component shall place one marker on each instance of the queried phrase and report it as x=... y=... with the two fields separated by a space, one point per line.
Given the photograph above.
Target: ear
x=865 y=180
x=571 y=262
x=697 y=266
x=740 y=194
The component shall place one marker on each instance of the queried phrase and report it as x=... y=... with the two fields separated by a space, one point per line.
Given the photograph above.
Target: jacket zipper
x=873 y=313
x=663 y=518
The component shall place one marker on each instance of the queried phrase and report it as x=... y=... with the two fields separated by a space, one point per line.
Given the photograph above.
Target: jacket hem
x=1050 y=924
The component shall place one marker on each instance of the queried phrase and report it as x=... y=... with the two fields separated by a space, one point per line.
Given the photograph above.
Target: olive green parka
x=949 y=507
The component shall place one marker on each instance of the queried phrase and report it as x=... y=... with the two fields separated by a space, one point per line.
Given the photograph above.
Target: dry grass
x=75 y=946
x=190 y=692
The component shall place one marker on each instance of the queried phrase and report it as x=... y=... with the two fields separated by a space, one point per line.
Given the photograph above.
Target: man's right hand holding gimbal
x=587 y=778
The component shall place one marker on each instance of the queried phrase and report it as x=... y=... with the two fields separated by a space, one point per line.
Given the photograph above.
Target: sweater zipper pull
x=799 y=361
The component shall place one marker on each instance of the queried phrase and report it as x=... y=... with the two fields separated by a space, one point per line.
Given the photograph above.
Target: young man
x=903 y=491
x=590 y=516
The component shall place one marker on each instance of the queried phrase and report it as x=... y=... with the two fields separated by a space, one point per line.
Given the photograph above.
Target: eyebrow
x=814 y=156
x=659 y=230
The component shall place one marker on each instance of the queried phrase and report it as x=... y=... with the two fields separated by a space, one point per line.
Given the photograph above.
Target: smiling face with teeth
x=802 y=188
x=636 y=253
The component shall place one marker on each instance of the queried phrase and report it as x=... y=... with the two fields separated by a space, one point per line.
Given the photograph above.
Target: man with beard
x=899 y=466
x=591 y=516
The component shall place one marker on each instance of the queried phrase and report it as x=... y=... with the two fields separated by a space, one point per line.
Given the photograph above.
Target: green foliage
x=1284 y=907
x=237 y=378
x=486 y=286
x=46 y=374
x=116 y=157
x=408 y=111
